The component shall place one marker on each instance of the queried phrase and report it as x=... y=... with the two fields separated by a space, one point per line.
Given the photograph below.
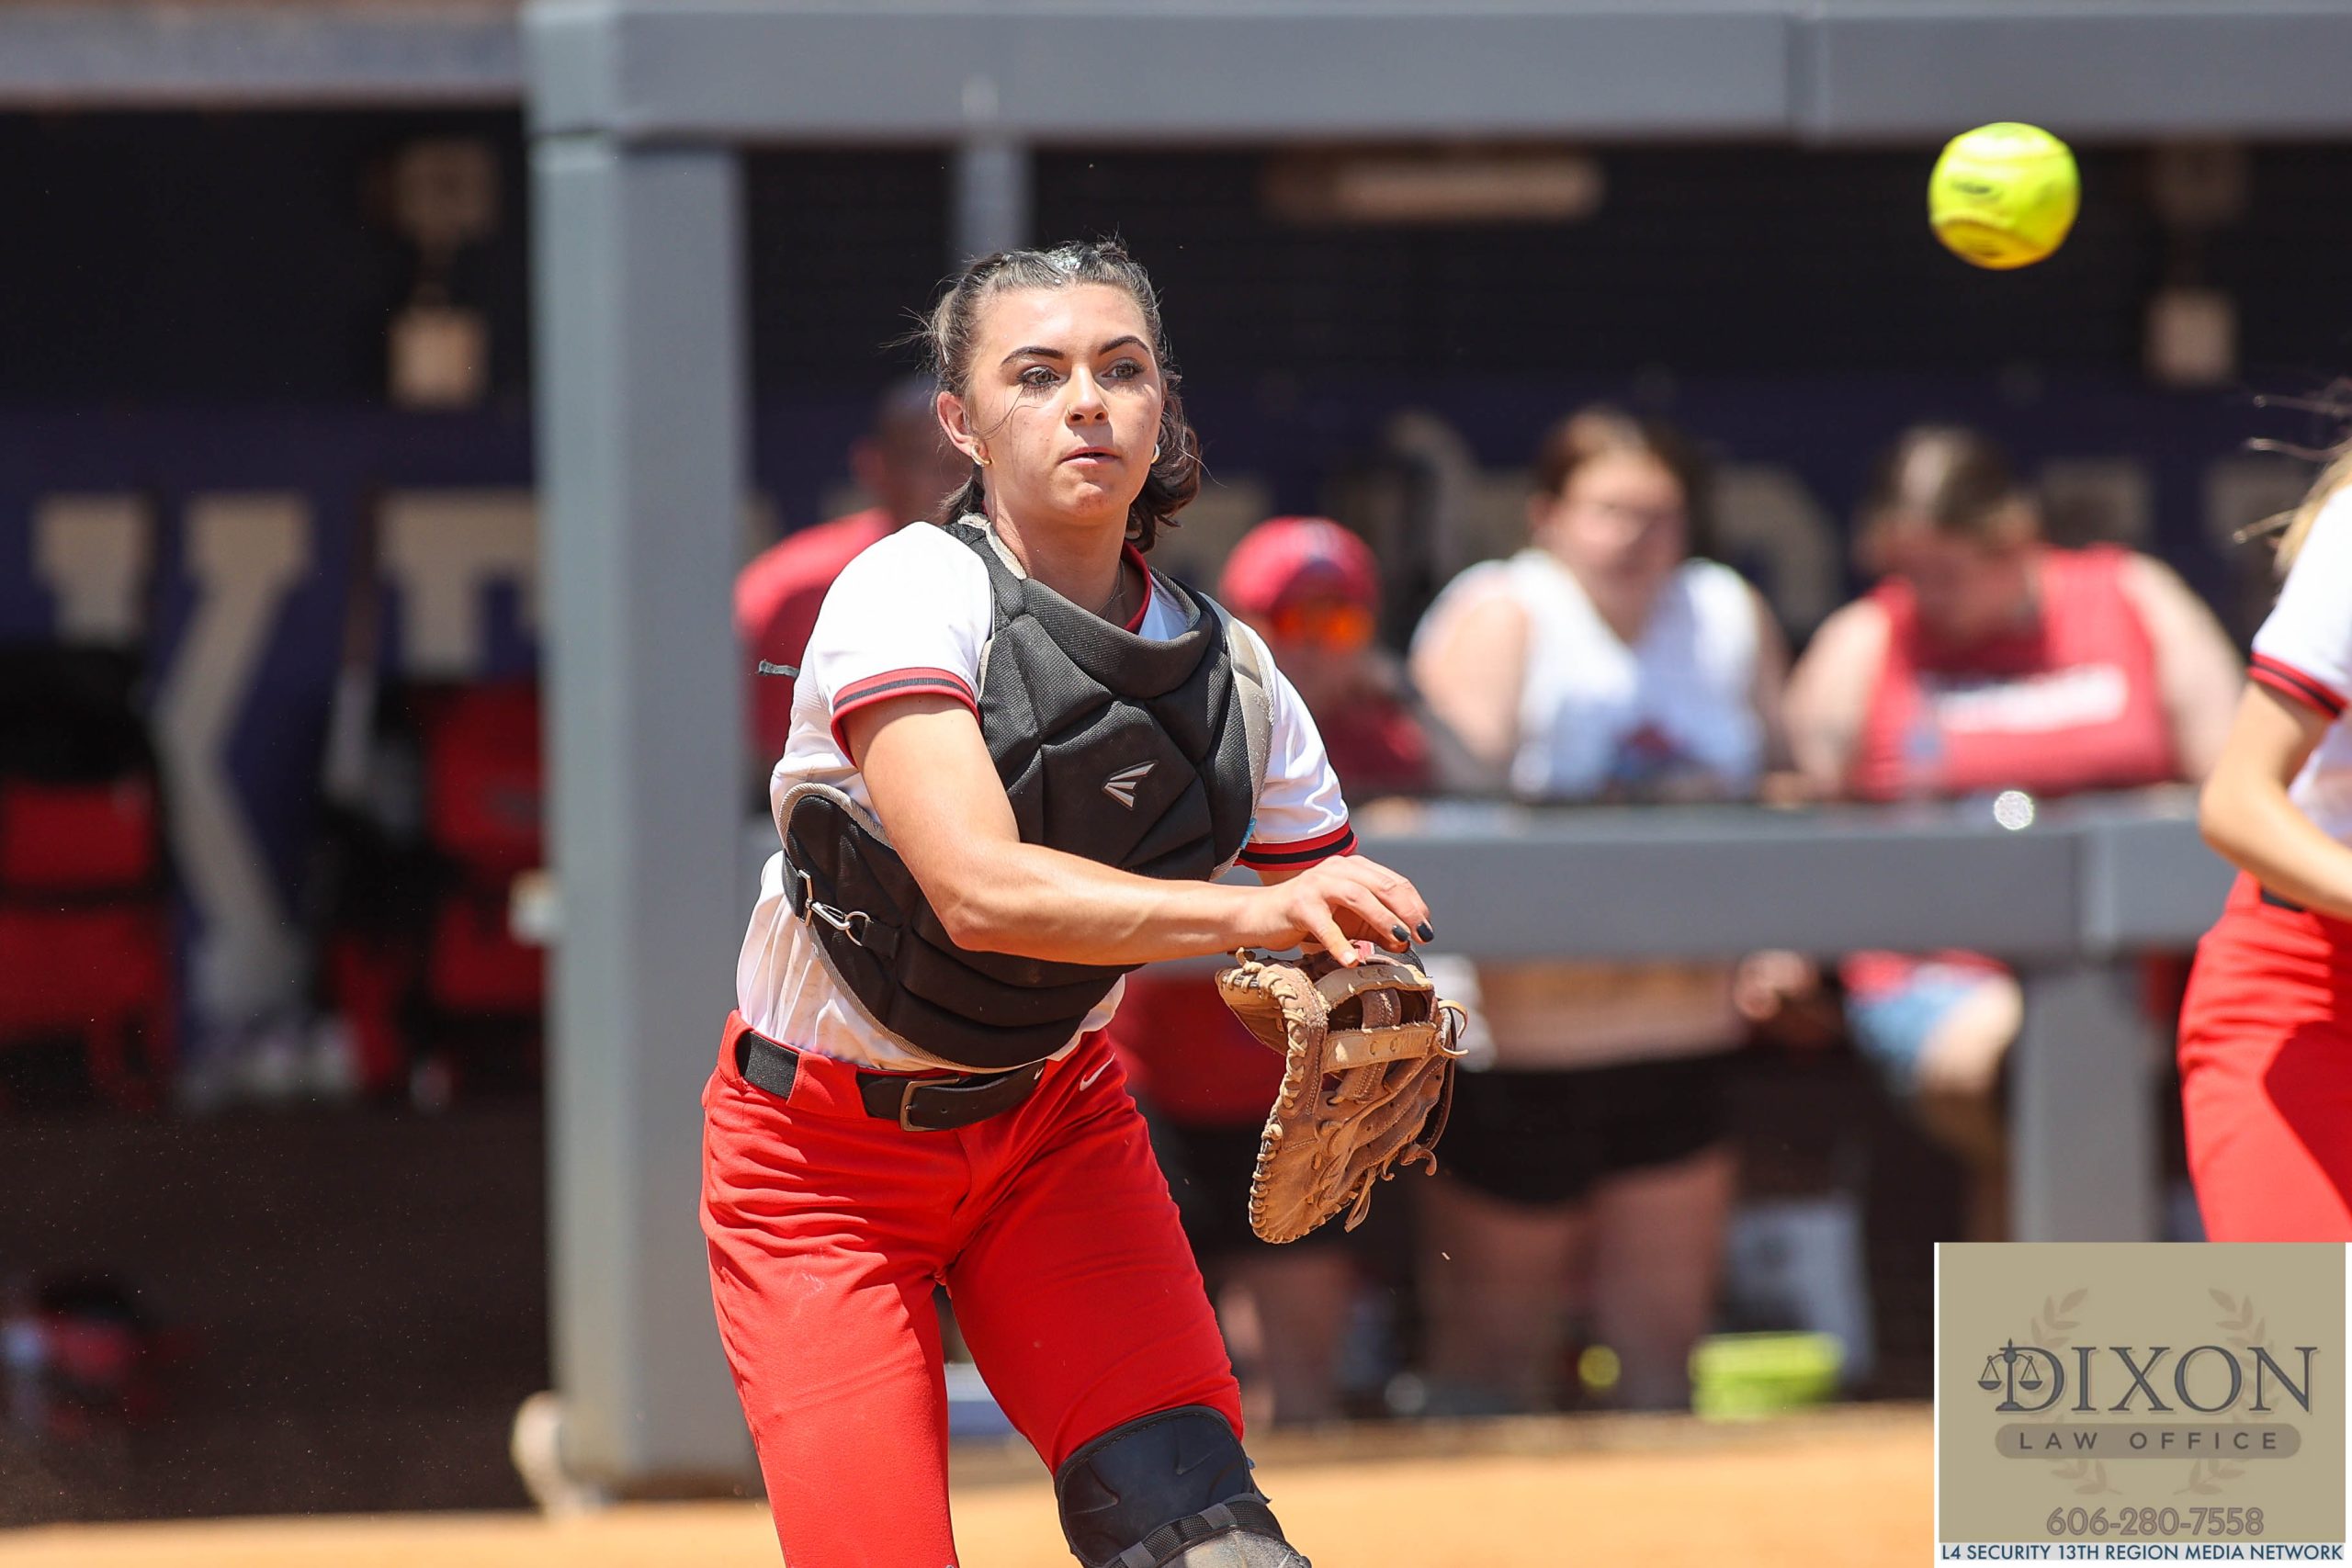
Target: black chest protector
x=1130 y=753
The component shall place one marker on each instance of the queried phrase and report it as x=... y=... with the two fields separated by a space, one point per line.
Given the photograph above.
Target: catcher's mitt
x=1369 y=1077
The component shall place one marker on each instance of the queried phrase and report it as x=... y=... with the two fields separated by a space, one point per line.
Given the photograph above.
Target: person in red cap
x=1311 y=589
x=906 y=466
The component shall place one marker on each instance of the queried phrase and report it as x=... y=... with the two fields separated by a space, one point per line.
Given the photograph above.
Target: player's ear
x=956 y=420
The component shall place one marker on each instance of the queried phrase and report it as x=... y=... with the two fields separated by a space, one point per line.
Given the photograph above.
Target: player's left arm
x=2198 y=671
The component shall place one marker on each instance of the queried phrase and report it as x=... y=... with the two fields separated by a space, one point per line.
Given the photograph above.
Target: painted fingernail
x=1399 y=933
x=1425 y=932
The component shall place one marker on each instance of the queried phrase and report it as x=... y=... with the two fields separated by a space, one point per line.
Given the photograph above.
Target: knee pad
x=1169 y=1489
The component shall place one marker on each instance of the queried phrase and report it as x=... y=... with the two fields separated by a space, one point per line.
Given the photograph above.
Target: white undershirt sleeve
x=1302 y=816
x=2304 y=651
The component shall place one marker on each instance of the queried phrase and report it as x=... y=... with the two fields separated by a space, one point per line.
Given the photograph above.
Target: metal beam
x=1717 y=882
x=127 y=55
x=1197 y=69
x=2081 y=1108
x=1824 y=71
x=641 y=430
x=995 y=206
x=2089 y=69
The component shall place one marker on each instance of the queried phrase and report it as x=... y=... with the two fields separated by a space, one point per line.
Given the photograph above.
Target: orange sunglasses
x=1334 y=624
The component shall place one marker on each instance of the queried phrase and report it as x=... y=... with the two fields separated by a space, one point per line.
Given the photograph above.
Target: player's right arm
x=929 y=775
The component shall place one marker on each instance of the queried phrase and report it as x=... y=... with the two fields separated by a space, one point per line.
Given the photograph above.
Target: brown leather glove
x=1369 y=1076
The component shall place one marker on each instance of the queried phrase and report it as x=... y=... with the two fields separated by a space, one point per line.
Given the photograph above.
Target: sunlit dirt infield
x=1844 y=1488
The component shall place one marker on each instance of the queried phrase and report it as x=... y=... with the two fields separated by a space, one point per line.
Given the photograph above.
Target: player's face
x=1064 y=401
x=1966 y=591
x=1620 y=524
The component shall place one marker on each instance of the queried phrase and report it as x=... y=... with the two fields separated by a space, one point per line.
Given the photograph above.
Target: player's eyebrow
x=1034 y=351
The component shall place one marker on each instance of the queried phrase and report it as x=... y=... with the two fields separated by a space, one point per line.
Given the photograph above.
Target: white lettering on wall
x=443 y=548
x=94 y=554
x=244 y=553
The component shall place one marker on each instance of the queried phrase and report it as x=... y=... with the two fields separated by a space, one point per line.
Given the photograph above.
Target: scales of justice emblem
x=2009 y=1377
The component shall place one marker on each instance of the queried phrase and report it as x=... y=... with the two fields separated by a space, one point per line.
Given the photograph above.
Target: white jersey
x=911 y=615
x=1598 y=718
x=2303 y=652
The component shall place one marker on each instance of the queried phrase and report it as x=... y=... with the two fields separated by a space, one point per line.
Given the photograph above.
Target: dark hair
x=952 y=332
x=1953 y=479
x=1599 y=430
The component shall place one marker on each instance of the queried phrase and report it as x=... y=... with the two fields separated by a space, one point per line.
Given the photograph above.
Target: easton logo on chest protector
x=1120 y=785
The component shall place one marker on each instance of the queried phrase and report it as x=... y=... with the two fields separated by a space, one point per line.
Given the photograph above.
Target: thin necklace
x=1118 y=597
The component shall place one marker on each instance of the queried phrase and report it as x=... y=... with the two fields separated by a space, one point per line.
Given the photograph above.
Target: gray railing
x=2070 y=894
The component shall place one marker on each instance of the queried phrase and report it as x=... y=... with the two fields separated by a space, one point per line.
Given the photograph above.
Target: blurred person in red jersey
x=2265 y=1034
x=1986 y=659
x=905 y=467
x=1310 y=589
x=1590 y=1167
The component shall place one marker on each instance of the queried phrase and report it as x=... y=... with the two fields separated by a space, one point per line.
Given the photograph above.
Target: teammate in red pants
x=1018 y=761
x=2265 y=1034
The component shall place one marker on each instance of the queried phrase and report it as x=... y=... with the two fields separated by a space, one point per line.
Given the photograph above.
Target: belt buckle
x=907 y=1106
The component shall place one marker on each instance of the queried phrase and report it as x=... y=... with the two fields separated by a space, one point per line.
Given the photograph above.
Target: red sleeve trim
x=2300 y=685
x=892 y=684
x=1339 y=840
x=1134 y=555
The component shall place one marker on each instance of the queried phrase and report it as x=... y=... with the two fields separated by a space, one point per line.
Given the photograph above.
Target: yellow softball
x=2004 y=194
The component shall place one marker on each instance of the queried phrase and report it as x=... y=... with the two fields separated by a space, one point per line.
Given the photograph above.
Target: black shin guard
x=1142 y=1495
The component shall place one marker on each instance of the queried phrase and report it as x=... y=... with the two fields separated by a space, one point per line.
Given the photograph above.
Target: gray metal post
x=639 y=295
x=2085 y=1166
x=994 y=209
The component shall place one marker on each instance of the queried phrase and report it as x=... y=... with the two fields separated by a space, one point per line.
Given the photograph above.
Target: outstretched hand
x=1335 y=903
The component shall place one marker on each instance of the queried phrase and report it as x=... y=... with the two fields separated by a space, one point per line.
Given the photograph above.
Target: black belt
x=918 y=1105
x=2276 y=902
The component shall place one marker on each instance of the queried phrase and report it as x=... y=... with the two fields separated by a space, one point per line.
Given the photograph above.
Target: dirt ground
x=1848 y=1489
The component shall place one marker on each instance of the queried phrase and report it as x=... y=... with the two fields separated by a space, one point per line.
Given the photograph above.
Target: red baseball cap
x=1284 y=558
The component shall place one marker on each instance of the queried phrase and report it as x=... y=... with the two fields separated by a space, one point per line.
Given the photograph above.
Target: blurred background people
x=906 y=467
x=1987 y=660
x=1604 y=661
x=1309 y=588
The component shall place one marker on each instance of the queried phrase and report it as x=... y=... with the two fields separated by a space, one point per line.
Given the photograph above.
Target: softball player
x=2265 y=1034
x=1017 y=759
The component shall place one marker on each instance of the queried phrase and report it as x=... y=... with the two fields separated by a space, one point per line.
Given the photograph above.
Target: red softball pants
x=1053 y=1230
x=2266 y=1073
